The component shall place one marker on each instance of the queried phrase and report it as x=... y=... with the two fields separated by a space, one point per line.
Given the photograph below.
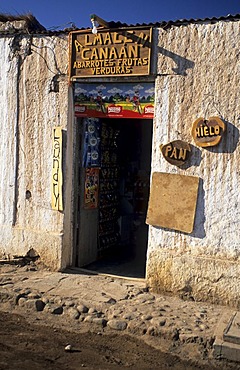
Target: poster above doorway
x=118 y=100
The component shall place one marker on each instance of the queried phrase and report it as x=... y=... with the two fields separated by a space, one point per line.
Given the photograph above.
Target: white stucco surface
x=199 y=76
x=29 y=111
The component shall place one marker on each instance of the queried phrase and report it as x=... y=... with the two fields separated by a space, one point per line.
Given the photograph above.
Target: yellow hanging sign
x=57 y=178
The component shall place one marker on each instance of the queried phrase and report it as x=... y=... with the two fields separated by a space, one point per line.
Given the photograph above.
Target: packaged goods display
x=109 y=189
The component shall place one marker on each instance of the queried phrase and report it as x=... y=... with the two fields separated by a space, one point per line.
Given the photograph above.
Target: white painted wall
x=29 y=111
x=199 y=76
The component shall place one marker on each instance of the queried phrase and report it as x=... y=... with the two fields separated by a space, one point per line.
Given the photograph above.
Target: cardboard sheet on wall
x=172 y=202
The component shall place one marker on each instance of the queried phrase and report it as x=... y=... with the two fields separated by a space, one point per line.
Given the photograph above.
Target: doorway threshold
x=120 y=262
x=87 y=271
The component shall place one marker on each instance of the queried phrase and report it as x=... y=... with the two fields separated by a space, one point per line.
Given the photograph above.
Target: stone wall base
x=195 y=277
x=16 y=241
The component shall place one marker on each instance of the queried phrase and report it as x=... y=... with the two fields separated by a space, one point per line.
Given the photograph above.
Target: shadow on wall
x=229 y=141
x=194 y=160
x=182 y=64
x=198 y=229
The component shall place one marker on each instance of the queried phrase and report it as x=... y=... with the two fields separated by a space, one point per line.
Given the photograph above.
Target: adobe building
x=124 y=143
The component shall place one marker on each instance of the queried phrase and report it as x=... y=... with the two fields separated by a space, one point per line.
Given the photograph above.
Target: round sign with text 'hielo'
x=208 y=132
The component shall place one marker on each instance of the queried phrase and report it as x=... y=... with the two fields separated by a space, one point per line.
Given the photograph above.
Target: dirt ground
x=29 y=345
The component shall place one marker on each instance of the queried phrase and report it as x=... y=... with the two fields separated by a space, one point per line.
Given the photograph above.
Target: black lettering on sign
x=57 y=169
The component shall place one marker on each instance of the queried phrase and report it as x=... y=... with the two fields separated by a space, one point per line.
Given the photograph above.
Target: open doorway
x=124 y=181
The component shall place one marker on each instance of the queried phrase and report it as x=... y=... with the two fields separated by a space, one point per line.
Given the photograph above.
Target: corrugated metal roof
x=39 y=29
x=179 y=22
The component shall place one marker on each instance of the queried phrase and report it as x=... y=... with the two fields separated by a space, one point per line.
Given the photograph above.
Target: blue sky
x=58 y=14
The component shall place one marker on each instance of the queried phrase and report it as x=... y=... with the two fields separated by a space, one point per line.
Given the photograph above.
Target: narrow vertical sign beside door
x=56 y=184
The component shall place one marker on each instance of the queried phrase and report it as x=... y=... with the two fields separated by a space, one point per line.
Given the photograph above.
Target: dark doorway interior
x=124 y=192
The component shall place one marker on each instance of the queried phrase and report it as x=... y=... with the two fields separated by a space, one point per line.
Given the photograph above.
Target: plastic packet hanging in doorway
x=92 y=138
